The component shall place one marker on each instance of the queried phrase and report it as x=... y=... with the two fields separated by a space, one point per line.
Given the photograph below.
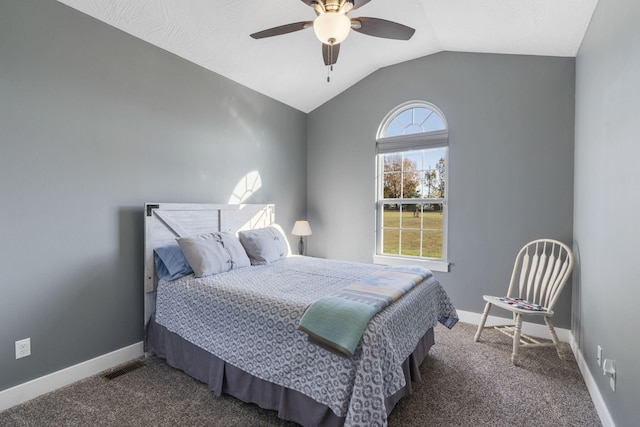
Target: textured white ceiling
x=289 y=68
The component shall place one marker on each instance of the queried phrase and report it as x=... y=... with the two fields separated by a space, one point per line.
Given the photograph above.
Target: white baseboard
x=34 y=388
x=594 y=391
x=532 y=329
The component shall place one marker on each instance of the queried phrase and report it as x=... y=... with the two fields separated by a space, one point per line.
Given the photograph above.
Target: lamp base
x=301 y=246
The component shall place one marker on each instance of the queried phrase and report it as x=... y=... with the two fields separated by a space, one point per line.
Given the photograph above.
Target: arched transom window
x=416 y=118
x=412 y=162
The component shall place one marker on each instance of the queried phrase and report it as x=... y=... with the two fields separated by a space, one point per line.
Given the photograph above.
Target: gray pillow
x=206 y=254
x=265 y=245
x=238 y=255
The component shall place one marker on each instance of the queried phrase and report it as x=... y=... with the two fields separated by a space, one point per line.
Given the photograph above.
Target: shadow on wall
x=131 y=253
x=576 y=300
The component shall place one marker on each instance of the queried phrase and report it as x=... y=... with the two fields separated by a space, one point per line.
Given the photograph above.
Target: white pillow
x=265 y=245
x=205 y=254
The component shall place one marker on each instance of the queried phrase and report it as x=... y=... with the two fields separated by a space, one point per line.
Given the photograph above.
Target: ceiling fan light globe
x=332 y=27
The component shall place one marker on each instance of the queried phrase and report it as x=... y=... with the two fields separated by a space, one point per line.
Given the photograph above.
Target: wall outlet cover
x=23 y=348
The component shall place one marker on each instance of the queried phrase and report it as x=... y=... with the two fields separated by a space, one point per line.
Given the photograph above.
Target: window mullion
x=421 y=227
x=400 y=230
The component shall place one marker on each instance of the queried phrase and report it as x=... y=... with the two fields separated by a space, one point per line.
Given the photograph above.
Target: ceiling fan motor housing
x=342 y=6
x=332 y=5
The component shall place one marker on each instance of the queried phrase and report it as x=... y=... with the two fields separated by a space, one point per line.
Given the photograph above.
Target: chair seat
x=502 y=304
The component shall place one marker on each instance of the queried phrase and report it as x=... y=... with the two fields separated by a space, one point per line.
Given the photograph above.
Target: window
x=412 y=161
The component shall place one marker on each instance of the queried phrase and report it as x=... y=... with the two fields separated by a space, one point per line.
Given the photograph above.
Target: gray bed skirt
x=291 y=405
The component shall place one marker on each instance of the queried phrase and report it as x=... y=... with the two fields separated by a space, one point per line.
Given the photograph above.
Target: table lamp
x=301 y=228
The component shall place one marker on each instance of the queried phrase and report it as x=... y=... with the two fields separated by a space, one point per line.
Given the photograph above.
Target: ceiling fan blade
x=381 y=28
x=330 y=53
x=359 y=3
x=283 y=29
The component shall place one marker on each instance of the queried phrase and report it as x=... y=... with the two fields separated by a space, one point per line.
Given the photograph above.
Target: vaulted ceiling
x=215 y=35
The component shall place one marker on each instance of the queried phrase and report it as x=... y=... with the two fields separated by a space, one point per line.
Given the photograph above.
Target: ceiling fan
x=332 y=26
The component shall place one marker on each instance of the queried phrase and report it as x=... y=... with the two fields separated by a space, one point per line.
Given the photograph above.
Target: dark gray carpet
x=464 y=384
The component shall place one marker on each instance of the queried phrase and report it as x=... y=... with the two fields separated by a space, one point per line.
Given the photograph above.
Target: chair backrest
x=541 y=270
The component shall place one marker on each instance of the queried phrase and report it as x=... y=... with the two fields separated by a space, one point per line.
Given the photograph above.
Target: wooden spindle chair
x=541 y=270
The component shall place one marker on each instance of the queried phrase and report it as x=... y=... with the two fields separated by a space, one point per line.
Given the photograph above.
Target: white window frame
x=404 y=143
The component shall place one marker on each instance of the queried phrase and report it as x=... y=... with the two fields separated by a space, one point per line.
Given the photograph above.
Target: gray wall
x=510 y=163
x=93 y=123
x=607 y=202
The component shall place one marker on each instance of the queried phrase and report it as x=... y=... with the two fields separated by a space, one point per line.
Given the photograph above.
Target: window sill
x=433 y=265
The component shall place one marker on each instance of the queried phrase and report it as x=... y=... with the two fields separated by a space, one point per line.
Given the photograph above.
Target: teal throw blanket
x=337 y=321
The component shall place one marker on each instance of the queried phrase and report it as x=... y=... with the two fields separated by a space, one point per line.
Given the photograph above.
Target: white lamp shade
x=332 y=27
x=301 y=228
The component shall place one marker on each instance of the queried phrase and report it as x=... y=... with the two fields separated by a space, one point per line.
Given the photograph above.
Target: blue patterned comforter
x=249 y=318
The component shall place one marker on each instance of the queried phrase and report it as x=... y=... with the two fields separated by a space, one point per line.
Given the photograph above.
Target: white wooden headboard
x=163 y=222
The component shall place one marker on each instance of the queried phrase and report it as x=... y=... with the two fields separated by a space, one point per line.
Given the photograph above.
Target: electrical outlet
x=599 y=356
x=23 y=348
x=612 y=382
x=609 y=368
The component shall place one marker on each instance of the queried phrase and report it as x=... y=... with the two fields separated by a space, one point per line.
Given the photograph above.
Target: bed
x=237 y=331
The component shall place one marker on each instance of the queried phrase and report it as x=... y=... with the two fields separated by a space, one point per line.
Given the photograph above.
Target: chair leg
x=485 y=314
x=516 y=339
x=554 y=337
